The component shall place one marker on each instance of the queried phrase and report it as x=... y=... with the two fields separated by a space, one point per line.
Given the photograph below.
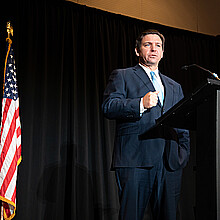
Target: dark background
x=64 y=54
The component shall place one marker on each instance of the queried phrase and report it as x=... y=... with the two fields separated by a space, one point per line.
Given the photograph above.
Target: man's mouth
x=153 y=55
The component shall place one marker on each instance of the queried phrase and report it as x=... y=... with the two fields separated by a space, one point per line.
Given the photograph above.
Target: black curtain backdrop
x=64 y=55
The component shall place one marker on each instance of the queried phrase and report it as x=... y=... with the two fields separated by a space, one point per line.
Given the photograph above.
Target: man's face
x=151 y=50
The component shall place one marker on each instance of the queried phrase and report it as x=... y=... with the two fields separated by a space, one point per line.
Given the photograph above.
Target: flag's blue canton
x=10 y=90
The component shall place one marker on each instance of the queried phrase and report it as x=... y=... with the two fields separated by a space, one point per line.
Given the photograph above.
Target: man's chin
x=151 y=63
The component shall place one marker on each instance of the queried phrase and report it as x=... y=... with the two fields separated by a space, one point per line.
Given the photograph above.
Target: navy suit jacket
x=121 y=102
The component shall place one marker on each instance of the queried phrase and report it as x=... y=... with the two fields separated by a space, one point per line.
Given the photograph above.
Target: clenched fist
x=150 y=99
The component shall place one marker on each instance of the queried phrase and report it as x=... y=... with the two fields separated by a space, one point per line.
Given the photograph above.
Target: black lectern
x=201 y=112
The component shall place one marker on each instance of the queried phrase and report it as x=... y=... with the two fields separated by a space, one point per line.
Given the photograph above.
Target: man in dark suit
x=148 y=170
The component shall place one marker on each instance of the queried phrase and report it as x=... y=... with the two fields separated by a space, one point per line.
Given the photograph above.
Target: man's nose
x=153 y=47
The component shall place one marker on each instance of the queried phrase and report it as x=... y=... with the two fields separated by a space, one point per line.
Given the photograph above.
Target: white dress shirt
x=148 y=70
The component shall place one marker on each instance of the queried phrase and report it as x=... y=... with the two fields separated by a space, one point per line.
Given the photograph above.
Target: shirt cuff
x=142 y=109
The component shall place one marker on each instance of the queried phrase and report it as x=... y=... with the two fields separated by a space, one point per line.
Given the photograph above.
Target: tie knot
x=152 y=73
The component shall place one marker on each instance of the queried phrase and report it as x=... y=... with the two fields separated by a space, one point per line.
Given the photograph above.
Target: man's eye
x=146 y=45
x=158 y=45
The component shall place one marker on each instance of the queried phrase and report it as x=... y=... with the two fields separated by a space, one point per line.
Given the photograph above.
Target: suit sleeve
x=116 y=104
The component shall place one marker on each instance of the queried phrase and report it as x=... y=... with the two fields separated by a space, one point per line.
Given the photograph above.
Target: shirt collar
x=148 y=70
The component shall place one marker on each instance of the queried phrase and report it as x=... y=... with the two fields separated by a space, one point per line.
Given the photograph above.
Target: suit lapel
x=168 y=90
x=144 y=77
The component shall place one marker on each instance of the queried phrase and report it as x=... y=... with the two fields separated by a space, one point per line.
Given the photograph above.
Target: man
x=148 y=170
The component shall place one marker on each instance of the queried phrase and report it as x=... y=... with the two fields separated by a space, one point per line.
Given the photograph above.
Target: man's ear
x=136 y=52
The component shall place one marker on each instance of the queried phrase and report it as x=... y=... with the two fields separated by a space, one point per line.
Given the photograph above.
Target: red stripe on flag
x=9 y=176
x=19 y=151
x=17 y=112
x=8 y=141
x=18 y=131
x=5 y=113
x=14 y=195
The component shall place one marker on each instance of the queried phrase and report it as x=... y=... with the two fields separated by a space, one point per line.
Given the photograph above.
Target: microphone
x=188 y=66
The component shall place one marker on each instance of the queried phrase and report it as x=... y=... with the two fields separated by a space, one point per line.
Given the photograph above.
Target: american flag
x=10 y=139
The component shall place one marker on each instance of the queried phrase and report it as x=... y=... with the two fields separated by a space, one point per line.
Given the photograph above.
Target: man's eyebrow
x=152 y=42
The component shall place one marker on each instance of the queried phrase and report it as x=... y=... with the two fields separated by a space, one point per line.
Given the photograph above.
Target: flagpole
x=8 y=39
x=9 y=29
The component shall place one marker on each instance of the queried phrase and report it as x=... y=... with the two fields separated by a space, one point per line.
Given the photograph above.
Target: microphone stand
x=200 y=67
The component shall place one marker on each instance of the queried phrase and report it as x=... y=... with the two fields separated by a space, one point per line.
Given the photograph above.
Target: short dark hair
x=144 y=33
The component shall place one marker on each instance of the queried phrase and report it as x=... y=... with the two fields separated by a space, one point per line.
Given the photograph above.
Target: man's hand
x=150 y=99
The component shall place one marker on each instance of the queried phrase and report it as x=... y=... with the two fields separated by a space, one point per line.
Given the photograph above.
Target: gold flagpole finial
x=9 y=29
